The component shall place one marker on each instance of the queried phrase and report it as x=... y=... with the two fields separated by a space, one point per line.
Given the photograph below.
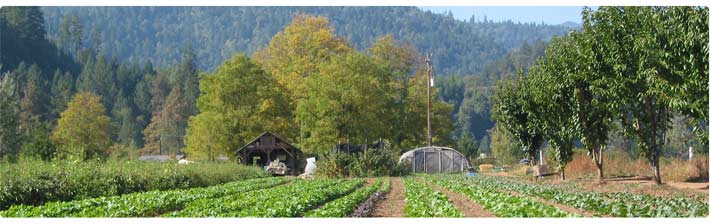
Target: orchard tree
x=552 y=91
x=512 y=112
x=683 y=33
x=83 y=131
x=652 y=70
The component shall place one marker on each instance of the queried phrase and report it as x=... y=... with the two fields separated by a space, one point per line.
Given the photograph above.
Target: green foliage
x=552 y=86
x=504 y=147
x=9 y=108
x=343 y=207
x=500 y=203
x=37 y=144
x=615 y=204
x=347 y=102
x=83 y=131
x=283 y=201
x=298 y=52
x=514 y=110
x=370 y=163
x=423 y=201
x=23 y=40
x=35 y=182
x=238 y=102
x=647 y=67
x=459 y=47
x=143 y=204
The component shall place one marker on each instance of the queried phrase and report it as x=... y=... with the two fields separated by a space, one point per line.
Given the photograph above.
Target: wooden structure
x=268 y=147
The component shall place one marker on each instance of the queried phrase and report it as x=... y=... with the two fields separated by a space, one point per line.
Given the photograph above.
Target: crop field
x=445 y=195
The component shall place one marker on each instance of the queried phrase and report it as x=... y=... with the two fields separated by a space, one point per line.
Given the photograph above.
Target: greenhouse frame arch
x=435 y=159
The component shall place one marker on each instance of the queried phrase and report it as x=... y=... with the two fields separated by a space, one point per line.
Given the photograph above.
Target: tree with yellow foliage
x=84 y=130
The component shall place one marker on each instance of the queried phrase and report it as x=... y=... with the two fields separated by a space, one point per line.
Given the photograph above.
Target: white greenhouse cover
x=435 y=159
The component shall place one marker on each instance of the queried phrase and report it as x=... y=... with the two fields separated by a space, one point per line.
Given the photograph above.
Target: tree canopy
x=83 y=131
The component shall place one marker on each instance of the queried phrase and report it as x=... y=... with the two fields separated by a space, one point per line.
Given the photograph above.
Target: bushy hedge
x=370 y=163
x=37 y=182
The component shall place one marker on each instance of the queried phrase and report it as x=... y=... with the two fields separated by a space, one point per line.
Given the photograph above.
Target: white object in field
x=310 y=166
x=690 y=153
x=184 y=161
x=432 y=81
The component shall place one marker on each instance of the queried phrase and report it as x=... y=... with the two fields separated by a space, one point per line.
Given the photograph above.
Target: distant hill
x=572 y=25
x=216 y=33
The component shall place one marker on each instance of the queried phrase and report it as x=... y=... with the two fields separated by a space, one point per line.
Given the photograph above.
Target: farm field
x=440 y=195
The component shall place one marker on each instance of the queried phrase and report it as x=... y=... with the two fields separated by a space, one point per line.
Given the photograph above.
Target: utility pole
x=428 y=99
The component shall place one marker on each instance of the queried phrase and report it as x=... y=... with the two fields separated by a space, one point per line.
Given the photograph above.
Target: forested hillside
x=145 y=68
x=216 y=33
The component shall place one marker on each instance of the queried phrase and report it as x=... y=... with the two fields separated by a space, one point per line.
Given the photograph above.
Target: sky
x=549 y=14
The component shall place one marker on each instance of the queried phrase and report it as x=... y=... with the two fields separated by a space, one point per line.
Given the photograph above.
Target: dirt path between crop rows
x=462 y=202
x=393 y=204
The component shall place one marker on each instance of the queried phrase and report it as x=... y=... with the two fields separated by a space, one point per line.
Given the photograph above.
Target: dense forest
x=217 y=33
x=145 y=69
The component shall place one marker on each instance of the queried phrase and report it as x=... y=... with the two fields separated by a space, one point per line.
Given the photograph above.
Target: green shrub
x=370 y=163
x=38 y=182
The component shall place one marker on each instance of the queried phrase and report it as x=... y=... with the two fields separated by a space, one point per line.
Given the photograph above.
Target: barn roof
x=263 y=134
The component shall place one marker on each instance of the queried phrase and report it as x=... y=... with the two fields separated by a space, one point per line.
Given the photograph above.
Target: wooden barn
x=268 y=147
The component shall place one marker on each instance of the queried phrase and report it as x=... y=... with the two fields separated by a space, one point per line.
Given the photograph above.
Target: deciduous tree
x=83 y=131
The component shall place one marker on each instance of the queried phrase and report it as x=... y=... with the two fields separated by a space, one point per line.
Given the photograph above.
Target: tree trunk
x=598 y=156
x=562 y=173
x=655 y=164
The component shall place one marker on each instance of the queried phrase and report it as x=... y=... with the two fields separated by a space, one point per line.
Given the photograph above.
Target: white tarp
x=310 y=166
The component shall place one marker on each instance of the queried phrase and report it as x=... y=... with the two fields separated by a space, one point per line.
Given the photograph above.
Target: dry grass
x=695 y=170
x=618 y=164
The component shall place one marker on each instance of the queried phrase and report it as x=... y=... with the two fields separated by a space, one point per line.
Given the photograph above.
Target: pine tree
x=34 y=103
x=167 y=128
x=9 y=108
x=62 y=91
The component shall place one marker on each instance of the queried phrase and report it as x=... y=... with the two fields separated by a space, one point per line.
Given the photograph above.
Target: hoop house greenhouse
x=435 y=159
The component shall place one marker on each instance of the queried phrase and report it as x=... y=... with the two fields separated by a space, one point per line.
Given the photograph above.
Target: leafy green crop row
x=386 y=186
x=342 y=207
x=619 y=204
x=422 y=201
x=138 y=204
x=284 y=201
x=501 y=204
x=36 y=183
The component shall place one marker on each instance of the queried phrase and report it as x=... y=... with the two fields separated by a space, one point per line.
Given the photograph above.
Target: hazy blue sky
x=548 y=14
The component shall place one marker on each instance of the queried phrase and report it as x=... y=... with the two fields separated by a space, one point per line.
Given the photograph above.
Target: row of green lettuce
x=614 y=204
x=36 y=183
